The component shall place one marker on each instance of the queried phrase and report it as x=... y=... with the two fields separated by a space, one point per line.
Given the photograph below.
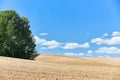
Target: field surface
x=55 y=67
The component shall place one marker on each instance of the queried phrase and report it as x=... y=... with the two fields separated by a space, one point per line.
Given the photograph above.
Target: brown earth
x=56 y=67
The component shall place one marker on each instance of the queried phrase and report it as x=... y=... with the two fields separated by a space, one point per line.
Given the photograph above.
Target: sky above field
x=80 y=28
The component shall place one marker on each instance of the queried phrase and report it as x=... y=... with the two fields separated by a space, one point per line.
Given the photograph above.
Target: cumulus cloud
x=108 y=50
x=52 y=44
x=71 y=46
x=115 y=39
x=48 y=44
x=98 y=41
x=74 y=54
x=43 y=34
x=111 y=41
x=75 y=45
x=38 y=40
x=116 y=33
x=84 y=45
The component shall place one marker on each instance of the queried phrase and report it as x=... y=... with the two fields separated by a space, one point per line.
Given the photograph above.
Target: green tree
x=15 y=36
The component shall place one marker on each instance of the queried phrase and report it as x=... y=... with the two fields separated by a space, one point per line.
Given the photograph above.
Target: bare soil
x=55 y=67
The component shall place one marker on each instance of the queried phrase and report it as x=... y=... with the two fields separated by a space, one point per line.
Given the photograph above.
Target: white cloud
x=116 y=33
x=48 y=44
x=84 y=45
x=43 y=34
x=75 y=45
x=115 y=39
x=90 y=52
x=52 y=44
x=105 y=35
x=71 y=46
x=98 y=41
x=38 y=40
x=108 y=50
x=74 y=54
x=111 y=41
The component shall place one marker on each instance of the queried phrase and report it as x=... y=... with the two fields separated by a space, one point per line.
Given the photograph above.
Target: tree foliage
x=15 y=36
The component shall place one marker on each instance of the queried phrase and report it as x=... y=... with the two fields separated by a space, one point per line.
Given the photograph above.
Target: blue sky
x=80 y=28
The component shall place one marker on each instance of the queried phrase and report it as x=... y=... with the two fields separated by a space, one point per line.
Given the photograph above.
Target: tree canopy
x=15 y=36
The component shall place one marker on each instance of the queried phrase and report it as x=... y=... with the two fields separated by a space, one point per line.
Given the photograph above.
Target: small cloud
x=47 y=44
x=75 y=45
x=43 y=34
x=116 y=34
x=71 y=46
x=89 y=53
x=105 y=35
x=98 y=41
x=51 y=44
x=112 y=50
x=84 y=45
x=38 y=40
